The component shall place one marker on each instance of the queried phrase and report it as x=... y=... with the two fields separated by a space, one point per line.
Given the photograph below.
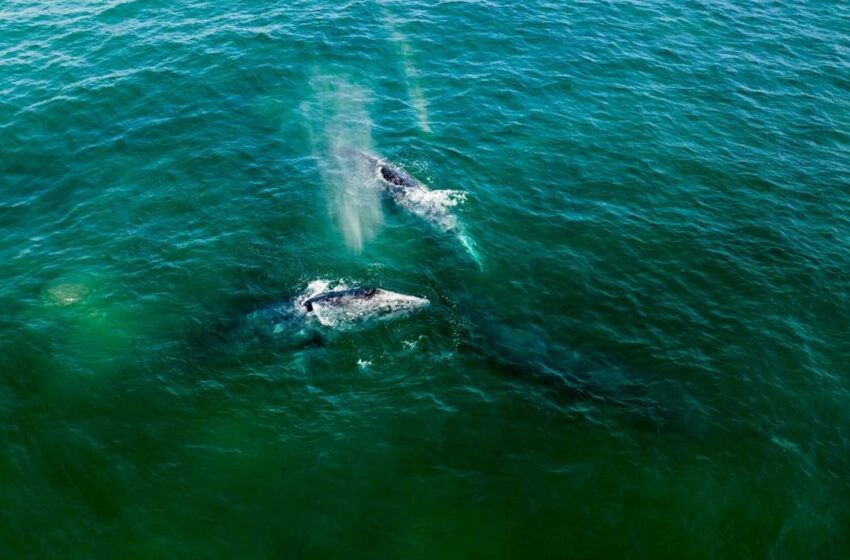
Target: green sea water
x=649 y=359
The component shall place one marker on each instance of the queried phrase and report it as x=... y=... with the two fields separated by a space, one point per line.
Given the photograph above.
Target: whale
x=350 y=307
x=307 y=320
x=431 y=205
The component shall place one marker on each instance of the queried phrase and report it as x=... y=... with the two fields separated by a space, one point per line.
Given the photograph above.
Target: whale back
x=339 y=295
x=395 y=176
x=344 y=309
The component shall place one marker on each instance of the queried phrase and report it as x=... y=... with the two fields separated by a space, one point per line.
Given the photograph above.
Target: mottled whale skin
x=349 y=307
x=336 y=297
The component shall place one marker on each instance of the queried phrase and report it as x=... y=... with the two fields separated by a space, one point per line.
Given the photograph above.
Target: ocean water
x=648 y=357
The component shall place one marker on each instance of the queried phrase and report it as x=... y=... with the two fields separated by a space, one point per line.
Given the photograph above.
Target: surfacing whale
x=304 y=321
x=312 y=319
x=433 y=206
x=347 y=307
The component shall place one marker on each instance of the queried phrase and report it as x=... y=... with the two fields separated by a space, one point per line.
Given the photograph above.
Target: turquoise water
x=649 y=360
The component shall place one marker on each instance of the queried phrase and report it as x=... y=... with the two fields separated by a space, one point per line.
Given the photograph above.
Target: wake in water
x=337 y=117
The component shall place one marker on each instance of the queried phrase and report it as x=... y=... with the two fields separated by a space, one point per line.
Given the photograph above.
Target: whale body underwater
x=431 y=205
